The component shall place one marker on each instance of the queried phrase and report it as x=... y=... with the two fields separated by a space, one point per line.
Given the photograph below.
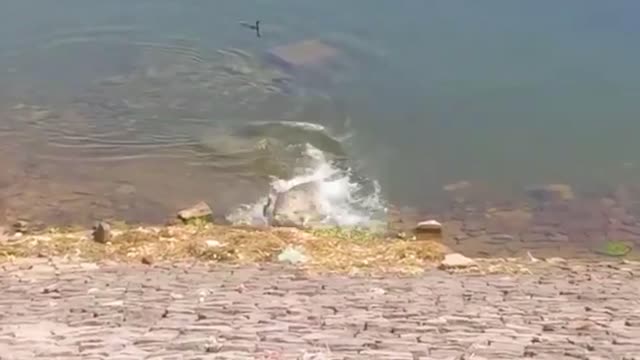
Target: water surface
x=109 y=108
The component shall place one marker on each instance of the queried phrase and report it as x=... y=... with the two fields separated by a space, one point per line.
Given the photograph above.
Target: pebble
x=556 y=261
x=197 y=211
x=429 y=226
x=102 y=232
x=213 y=243
x=20 y=226
x=455 y=260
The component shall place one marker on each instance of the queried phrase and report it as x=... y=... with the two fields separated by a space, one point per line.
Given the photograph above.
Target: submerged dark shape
x=255 y=27
x=298 y=206
x=294 y=133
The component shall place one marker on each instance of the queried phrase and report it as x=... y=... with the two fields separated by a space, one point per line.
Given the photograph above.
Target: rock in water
x=21 y=226
x=456 y=261
x=309 y=62
x=429 y=227
x=296 y=207
x=199 y=211
x=102 y=232
x=551 y=192
x=304 y=54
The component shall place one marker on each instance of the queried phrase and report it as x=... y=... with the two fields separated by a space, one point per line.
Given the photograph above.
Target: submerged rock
x=551 y=192
x=102 y=232
x=200 y=210
x=457 y=186
x=302 y=55
x=556 y=260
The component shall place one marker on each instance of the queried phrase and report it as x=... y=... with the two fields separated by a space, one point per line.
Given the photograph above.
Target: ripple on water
x=110 y=104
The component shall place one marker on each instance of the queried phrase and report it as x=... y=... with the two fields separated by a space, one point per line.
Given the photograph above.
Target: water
x=115 y=108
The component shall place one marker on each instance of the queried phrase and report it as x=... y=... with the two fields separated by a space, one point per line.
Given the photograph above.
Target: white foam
x=336 y=194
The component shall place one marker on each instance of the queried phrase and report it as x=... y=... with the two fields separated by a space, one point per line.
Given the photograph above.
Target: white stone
x=199 y=210
x=429 y=224
x=556 y=260
x=213 y=243
x=456 y=260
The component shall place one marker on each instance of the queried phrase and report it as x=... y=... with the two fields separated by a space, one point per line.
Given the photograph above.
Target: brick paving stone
x=570 y=310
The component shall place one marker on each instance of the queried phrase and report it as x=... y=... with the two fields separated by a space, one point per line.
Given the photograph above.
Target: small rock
x=551 y=192
x=429 y=226
x=146 y=260
x=292 y=256
x=502 y=237
x=213 y=243
x=455 y=260
x=20 y=226
x=198 y=211
x=102 y=232
x=556 y=260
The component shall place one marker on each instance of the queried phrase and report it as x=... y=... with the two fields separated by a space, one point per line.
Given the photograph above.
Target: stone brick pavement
x=60 y=310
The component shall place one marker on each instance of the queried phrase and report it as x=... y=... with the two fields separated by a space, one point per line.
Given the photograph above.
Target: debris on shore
x=323 y=250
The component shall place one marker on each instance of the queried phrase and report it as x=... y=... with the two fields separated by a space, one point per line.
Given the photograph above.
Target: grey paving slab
x=62 y=310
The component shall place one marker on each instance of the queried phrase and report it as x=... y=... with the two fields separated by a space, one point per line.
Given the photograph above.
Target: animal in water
x=295 y=207
x=255 y=27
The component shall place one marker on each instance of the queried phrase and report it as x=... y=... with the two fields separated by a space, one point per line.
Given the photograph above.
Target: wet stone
x=200 y=210
x=102 y=232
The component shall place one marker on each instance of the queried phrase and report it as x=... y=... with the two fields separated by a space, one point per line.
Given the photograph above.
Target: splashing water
x=341 y=200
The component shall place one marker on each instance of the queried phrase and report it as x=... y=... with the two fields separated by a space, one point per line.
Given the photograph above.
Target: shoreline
x=344 y=250
x=332 y=249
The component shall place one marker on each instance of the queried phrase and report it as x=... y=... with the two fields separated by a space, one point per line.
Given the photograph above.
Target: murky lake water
x=110 y=108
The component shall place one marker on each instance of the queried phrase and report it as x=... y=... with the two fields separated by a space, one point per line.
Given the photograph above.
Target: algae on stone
x=614 y=248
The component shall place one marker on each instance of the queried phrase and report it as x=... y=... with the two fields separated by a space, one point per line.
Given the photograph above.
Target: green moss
x=356 y=235
x=198 y=223
x=614 y=248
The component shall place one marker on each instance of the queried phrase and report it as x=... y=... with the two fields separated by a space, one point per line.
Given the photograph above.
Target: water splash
x=343 y=198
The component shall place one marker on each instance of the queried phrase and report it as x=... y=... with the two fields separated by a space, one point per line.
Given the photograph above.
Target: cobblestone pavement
x=88 y=311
